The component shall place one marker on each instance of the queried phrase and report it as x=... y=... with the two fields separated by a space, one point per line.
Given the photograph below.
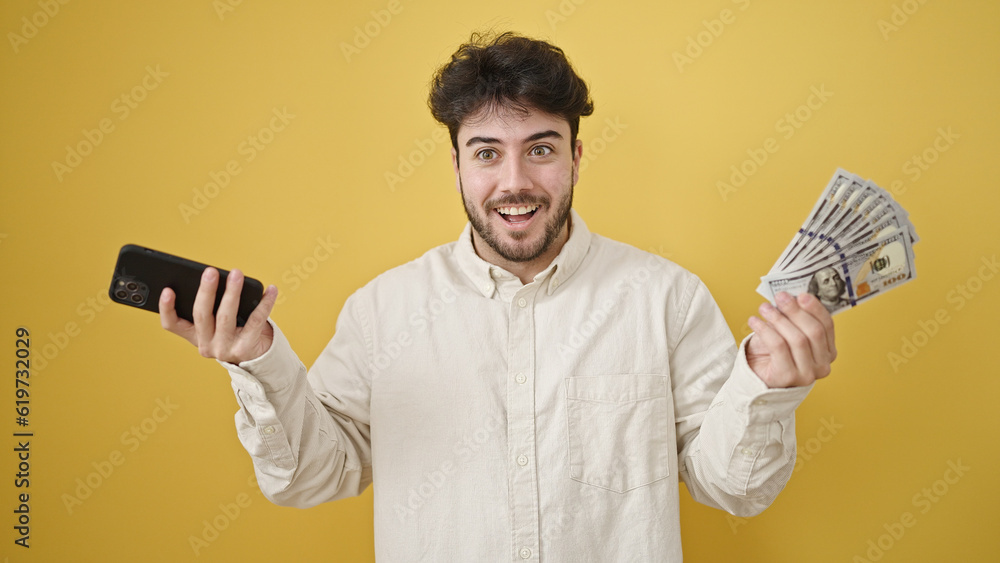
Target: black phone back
x=142 y=273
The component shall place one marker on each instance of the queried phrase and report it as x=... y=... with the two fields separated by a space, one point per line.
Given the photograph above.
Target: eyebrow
x=535 y=137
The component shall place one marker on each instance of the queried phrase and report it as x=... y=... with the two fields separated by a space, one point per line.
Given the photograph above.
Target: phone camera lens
x=132 y=286
x=121 y=294
x=137 y=298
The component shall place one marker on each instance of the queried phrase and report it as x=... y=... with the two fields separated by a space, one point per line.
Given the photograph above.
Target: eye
x=540 y=150
x=486 y=154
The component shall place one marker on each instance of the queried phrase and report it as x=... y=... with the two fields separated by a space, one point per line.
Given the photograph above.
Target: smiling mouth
x=517 y=214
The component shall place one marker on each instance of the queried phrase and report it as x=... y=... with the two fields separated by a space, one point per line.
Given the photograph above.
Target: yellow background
x=654 y=185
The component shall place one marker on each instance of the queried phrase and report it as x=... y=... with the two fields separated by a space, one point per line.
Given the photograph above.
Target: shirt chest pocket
x=619 y=429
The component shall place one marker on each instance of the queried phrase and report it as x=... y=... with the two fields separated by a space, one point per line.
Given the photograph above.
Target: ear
x=454 y=165
x=577 y=156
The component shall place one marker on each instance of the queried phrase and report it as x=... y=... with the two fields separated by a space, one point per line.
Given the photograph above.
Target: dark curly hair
x=510 y=72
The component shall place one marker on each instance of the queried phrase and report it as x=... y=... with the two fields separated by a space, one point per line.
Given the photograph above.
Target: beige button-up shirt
x=507 y=422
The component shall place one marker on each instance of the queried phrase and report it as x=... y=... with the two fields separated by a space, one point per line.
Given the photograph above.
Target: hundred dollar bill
x=847 y=246
x=833 y=192
x=860 y=219
x=849 y=279
x=848 y=206
x=821 y=228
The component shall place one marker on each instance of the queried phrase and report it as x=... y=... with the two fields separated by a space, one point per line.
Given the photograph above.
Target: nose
x=514 y=176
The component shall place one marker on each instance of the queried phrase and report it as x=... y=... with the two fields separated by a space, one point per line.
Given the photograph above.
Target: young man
x=533 y=391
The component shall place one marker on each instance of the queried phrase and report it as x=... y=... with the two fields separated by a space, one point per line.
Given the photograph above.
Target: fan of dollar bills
x=856 y=243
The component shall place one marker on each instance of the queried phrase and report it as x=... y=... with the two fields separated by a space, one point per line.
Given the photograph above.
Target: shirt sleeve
x=307 y=432
x=735 y=436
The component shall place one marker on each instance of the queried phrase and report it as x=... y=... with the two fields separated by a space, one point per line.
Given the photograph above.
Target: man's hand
x=217 y=336
x=795 y=346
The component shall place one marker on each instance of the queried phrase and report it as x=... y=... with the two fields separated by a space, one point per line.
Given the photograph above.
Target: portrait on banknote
x=831 y=289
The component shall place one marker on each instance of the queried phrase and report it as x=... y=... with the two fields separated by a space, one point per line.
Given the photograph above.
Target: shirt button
x=522 y=460
x=555 y=283
x=524 y=553
x=747 y=451
x=487 y=287
x=268 y=430
x=760 y=402
x=520 y=378
x=522 y=302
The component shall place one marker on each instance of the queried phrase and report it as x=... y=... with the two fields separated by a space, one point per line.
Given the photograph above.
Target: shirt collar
x=558 y=272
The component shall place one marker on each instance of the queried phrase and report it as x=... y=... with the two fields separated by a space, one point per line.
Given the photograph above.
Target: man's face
x=828 y=287
x=516 y=176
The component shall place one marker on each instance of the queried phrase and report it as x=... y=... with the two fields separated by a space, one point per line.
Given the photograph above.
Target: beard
x=512 y=251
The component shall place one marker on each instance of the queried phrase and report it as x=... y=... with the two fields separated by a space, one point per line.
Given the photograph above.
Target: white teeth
x=516 y=210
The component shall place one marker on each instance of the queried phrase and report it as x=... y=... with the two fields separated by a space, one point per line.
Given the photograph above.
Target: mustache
x=519 y=200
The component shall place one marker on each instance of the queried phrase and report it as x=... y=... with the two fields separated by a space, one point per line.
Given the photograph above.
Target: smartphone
x=142 y=273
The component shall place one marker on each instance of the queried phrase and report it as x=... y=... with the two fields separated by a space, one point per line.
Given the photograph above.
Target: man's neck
x=525 y=271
